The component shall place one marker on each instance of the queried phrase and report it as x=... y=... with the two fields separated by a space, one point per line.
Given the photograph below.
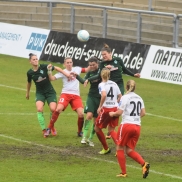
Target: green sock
x=86 y=127
x=41 y=120
x=92 y=132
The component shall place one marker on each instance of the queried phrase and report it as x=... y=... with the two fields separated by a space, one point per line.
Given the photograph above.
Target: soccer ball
x=83 y=36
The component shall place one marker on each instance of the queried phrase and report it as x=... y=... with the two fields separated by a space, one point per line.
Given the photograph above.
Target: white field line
x=154 y=115
x=92 y=158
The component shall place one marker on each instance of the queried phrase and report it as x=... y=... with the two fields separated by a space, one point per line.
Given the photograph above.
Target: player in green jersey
x=117 y=68
x=44 y=89
x=93 y=100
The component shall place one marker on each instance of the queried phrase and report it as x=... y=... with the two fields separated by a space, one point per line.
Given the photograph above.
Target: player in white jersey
x=110 y=96
x=132 y=108
x=70 y=95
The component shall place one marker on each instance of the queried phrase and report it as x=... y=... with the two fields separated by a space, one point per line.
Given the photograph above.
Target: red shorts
x=74 y=100
x=103 y=119
x=128 y=135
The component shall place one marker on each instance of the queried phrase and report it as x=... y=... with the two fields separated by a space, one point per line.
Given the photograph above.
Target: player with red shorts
x=70 y=95
x=110 y=95
x=132 y=108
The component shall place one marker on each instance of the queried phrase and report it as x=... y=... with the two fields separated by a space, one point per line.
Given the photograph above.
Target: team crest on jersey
x=41 y=71
x=115 y=61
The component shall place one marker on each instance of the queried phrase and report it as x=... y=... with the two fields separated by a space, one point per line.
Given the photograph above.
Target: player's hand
x=137 y=75
x=111 y=114
x=49 y=67
x=98 y=110
x=72 y=76
x=108 y=66
x=85 y=83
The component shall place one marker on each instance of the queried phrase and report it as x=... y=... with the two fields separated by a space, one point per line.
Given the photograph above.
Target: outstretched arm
x=28 y=90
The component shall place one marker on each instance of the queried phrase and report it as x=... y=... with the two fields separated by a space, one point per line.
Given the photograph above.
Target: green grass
x=26 y=156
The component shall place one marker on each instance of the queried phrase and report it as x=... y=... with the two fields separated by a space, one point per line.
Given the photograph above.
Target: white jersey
x=72 y=86
x=112 y=91
x=131 y=104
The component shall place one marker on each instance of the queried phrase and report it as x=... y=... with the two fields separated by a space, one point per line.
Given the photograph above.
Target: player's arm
x=82 y=80
x=119 y=97
x=117 y=113
x=103 y=98
x=142 y=113
x=86 y=69
x=62 y=71
x=28 y=90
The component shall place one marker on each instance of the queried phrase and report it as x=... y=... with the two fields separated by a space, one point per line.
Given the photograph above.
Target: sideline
x=149 y=114
x=93 y=158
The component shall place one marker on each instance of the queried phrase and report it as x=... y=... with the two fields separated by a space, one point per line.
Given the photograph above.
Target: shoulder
x=76 y=68
x=43 y=66
x=29 y=71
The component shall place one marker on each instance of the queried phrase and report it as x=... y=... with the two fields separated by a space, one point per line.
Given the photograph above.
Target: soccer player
x=131 y=108
x=93 y=100
x=117 y=68
x=44 y=89
x=70 y=95
x=110 y=96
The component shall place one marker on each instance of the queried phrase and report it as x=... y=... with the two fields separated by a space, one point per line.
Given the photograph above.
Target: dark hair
x=93 y=59
x=106 y=48
x=31 y=54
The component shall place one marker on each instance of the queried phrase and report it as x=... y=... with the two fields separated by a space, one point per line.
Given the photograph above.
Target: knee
x=80 y=115
x=96 y=129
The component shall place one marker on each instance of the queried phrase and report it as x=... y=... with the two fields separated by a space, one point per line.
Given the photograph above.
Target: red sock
x=121 y=161
x=102 y=139
x=80 y=124
x=137 y=157
x=54 y=118
x=114 y=136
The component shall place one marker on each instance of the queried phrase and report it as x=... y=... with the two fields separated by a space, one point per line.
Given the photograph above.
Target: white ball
x=83 y=36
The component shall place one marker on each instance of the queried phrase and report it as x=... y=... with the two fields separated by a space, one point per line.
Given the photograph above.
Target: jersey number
x=136 y=108
x=110 y=93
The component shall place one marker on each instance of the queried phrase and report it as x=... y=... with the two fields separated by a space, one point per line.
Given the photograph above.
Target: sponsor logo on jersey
x=115 y=61
x=36 y=41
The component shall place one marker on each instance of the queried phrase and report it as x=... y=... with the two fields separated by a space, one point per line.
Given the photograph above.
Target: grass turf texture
x=26 y=156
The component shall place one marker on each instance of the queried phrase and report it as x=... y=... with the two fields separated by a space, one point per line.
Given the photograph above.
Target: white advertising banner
x=163 y=64
x=17 y=40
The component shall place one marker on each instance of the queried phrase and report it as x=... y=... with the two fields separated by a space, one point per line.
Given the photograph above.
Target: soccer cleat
x=83 y=141
x=53 y=132
x=90 y=143
x=45 y=133
x=145 y=169
x=121 y=175
x=103 y=151
x=80 y=134
x=108 y=136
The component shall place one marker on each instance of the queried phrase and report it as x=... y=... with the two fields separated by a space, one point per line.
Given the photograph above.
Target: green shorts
x=92 y=105
x=48 y=96
x=121 y=87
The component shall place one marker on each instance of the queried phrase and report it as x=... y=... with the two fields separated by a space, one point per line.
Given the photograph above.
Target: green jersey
x=40 y=78
x=93 y=91
x=117 y=69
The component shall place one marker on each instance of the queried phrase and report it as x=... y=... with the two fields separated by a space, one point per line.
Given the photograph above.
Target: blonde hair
x=66 y=58
x=105 y=74
x=130 y=86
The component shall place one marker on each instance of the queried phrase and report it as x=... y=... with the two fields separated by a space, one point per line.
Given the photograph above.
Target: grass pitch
x=26 y=156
